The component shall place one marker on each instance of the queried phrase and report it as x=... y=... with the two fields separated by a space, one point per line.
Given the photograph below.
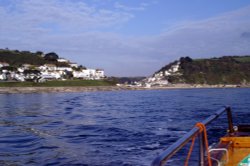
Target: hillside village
x=54 y=68
x=226 y=70
x=159 y=78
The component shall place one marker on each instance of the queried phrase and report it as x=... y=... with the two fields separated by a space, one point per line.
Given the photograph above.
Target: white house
x=19 y=77
x=167 y=73
x=173 y=69
x=62 y=60
x=50 y=75
x=20 y=69
x=50 y=67
x=3 y=76
x=92 y=72
x=73 y=65
x=84 y=74
x=160 y=74
x=26 y=66
x=89 y=74
x=2 y=64
x=64 y=69
x=99 y=73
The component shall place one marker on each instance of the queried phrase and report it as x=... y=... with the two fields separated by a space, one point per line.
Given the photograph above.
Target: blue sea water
x=108 y=128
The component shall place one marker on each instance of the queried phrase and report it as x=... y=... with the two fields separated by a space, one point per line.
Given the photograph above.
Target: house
x=58 y=69
x=99 y=74
x=2 y=64
x=27 y=66
x=31 y=75
x=173 y=70
x=160 y=74
x=3 y=76
x=62 y=60
x=89 y=74
x=19 y=77
x=49 y=67
x=42 y=68
x=92 y=72
x=50 y=75
x=20 y=69
x=73 y=65
x=64 y=69
x=84 y=74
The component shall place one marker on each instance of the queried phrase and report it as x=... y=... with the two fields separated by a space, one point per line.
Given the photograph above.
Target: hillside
x=17 y=58
x=23 y=66
x=224 y=70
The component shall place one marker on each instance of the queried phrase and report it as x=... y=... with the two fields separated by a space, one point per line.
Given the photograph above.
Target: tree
x=39 y=53
x=68 y=74
x=9 y=68
x=82 y=67
x=185 y=59
x=32 y=75
x=51 y=56
x=31 y=72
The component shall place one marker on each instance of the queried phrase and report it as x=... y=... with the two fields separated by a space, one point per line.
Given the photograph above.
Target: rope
x=190 y=151
x=202 y=129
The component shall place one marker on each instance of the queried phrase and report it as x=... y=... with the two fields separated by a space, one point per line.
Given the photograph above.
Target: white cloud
x=217 y=36
x=141 y=7
x=66 y=15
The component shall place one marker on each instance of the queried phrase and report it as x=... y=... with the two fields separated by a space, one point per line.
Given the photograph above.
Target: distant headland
x=226 y=71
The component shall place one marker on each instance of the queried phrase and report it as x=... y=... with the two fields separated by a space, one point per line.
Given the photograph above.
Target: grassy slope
x=218 y=71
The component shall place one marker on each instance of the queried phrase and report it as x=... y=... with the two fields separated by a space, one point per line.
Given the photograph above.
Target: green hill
x=223 y=70
x=17 y=58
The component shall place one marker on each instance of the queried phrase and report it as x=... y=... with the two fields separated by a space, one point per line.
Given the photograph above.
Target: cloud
x=245 y=35
x=66 y=15
x=212 y=37
x=141 y=7
x=83 y=33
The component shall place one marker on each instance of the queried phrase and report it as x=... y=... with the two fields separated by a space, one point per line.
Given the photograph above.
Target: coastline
x=23 y=90
x=15 y=90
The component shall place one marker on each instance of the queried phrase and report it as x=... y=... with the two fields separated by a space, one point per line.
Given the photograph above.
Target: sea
x=110 y=128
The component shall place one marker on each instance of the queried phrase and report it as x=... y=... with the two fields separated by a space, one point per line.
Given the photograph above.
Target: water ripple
x=107 y=128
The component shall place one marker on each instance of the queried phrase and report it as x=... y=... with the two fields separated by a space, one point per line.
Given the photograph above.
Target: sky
x=127 y=37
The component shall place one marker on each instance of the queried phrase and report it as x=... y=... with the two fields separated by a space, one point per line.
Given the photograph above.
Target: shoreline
x=24 y=90
x=74 y=89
